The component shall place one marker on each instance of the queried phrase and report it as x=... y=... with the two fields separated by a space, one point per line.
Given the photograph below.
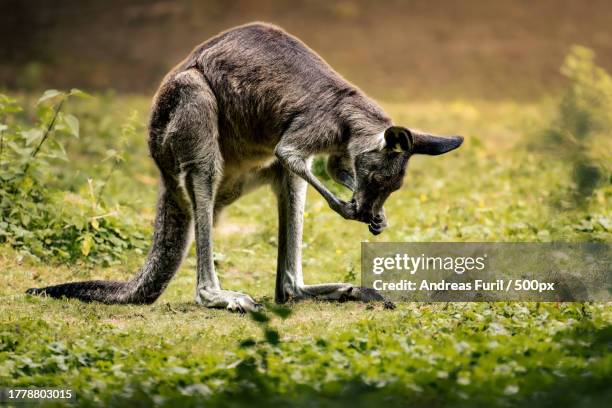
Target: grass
x=495 y=188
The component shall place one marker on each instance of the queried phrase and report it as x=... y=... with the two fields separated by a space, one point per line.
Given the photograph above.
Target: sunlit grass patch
x=494 y=188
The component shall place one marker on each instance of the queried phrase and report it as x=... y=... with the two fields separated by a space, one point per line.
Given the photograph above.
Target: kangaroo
x=252 y=106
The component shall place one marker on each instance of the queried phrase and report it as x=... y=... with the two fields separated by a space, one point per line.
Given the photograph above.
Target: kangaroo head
x=373 y=175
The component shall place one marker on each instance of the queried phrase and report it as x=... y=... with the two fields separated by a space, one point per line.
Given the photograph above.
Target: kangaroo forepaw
x=226 y=299
x=378 y=224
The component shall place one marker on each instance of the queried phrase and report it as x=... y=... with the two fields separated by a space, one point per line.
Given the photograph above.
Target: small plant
x=271 y=336
x=37 y=216
x=254 y=355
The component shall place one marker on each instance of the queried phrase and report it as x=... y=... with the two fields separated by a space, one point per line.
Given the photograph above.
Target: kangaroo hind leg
x=195 y=144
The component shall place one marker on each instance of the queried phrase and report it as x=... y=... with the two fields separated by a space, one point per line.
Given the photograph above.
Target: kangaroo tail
x=170 y=242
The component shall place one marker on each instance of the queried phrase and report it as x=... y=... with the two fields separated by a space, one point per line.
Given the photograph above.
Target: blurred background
x=403 y=49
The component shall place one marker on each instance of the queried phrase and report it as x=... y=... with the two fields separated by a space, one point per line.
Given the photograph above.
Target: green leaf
x=32 y=135
x=605 y=222
x=19 y=150
x=79 y=94
x=49 y=94
x=62 y=152
x=86 y=245
x=25 y=219
x=72 y=123
x=58 y=153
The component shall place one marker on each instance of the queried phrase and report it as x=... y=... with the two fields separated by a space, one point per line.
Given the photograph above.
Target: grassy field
x=497 y=187
x=82 y=208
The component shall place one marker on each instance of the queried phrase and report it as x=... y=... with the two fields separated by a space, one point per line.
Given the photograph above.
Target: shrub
x=41 y=219
x=584 y=117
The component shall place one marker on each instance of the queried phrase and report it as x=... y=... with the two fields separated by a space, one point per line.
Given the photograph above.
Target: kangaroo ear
x=434 y=145
x=398 y=139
